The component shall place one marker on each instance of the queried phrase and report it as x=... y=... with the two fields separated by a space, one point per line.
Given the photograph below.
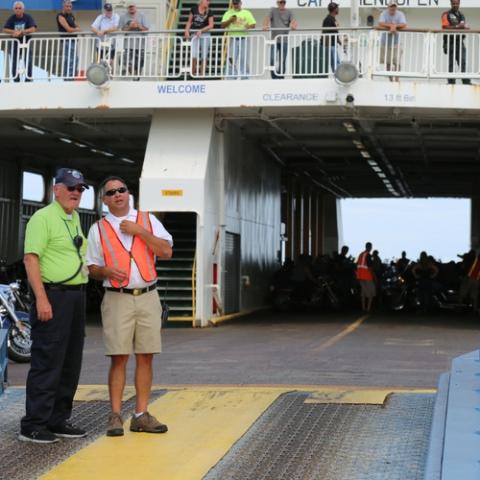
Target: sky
x=439 y=226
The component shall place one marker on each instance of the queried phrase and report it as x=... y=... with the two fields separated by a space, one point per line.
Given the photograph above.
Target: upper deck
x=166 y=80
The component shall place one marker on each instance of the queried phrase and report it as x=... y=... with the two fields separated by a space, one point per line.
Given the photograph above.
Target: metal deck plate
x=294 y=440
x=26 y=461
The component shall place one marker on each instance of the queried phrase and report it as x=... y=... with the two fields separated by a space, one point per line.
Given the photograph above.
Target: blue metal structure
x=53 y=4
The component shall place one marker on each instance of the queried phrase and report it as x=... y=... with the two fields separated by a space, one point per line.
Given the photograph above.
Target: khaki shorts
x=131 y=324
x=368 y=289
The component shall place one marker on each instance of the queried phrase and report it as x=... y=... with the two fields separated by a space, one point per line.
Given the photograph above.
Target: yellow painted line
x=224 y=318
x=203 y=427
x=376 y=396
x=346 y=331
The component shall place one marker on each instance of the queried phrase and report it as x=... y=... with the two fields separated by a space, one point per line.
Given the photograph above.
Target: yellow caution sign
x=172 y=193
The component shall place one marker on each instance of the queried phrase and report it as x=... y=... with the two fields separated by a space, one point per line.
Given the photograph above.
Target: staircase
x=176 y=277
x=218 y=8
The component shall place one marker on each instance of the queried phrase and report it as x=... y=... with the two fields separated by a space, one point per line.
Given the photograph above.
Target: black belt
x=55 y=286
x=132 y=291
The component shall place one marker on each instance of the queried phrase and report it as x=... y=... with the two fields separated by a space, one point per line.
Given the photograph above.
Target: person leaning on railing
x=200 y=22
x=66 y=24
x=237 y=22
x=134 y=49
x=390 y=52
x=282 y=20
x=105 y=23
x=20 y=26
x=453 y=45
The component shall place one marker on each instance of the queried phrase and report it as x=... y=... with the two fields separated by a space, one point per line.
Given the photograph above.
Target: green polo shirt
x=49 y=235
x=244 y=19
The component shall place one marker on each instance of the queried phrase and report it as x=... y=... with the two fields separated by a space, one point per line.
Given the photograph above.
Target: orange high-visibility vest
x=475 y=270
x=363 y=270
x=116 y=255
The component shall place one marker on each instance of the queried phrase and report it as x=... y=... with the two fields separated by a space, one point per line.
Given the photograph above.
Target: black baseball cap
x=236 y=1
x=70 y=177
x=332 y=6
x=108 y=7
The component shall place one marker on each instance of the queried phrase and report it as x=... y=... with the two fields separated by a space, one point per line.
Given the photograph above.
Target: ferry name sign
x=293 y=4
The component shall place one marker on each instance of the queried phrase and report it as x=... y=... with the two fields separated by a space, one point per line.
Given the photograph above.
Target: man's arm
x=32 y=266
x=103 y=273
x=66 y=26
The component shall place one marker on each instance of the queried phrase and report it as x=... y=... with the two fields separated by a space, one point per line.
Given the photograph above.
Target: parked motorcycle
x=16 y=322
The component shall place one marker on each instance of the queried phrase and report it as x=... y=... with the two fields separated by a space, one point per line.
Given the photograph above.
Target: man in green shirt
x=237 y=22
x=54 y=259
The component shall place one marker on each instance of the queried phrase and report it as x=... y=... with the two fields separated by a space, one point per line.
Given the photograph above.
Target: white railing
x=300 y=54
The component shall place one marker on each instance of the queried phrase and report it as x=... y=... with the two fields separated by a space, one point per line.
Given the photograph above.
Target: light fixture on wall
x=346 y=73
x=98 y=74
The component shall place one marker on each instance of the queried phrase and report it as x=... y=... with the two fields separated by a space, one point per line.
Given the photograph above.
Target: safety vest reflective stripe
x=116 y=255
x=475 y=269
x=140 y=250
x=363 y=270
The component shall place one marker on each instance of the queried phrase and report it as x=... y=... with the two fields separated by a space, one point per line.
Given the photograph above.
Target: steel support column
x=475 y=223
x=330 y=224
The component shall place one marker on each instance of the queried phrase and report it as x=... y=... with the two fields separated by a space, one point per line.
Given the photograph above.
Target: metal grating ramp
x=27 y=461
x=297 y=441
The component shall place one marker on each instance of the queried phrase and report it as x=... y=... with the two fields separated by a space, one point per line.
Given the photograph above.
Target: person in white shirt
x=121 y=251
x=105 y=23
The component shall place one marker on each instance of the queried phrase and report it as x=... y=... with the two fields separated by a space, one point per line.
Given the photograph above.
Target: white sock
x=138 y=414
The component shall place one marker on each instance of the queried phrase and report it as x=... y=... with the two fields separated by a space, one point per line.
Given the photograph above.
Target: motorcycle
x=16 y=322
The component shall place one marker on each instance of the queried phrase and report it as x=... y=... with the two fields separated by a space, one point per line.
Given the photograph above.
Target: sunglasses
x=113 y=191
x=78 y=188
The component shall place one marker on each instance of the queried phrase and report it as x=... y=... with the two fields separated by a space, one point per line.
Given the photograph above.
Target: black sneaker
x=41 y=435
x=66 y=430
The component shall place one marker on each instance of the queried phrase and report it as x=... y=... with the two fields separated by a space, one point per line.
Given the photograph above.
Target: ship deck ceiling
x=422 y=155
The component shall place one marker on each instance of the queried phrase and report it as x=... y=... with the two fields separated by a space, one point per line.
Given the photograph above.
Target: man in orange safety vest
x=121 y=251
x=366 y=278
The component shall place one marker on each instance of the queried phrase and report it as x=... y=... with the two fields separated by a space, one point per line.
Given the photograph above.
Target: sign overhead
x=444 y=4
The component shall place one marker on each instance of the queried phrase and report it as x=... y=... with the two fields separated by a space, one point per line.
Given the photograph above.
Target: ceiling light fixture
x=29 y=128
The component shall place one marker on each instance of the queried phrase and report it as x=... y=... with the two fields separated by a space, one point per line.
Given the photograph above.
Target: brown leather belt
x=132 y=291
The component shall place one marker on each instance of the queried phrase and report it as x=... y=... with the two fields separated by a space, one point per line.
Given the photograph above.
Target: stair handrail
x=169 y=25
x=225 y=42
x=194 y=286
x=172 y=14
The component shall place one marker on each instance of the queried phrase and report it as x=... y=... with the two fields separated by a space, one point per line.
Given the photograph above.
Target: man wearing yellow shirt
x=54 y=259
x=237 y=22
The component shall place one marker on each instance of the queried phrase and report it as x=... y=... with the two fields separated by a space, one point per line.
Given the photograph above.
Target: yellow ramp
x=203 y=423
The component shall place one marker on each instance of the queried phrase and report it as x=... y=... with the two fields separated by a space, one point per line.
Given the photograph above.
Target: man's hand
x=44 y=310
x=131 y=228
x=113 y=273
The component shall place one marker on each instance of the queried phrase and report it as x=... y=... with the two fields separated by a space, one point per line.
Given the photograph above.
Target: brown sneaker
x=115 y=425
x=147 y=423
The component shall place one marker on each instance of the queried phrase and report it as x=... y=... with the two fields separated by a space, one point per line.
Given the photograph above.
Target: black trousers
x=457 y=54
x=57 y=347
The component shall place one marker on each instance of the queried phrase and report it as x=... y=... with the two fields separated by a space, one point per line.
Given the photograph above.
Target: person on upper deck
x=20 y=26
x=453 y=44
x=331 y=22
x=390 y=51
x=66 y=24
x=105 y=23
x=279 y=18
x=133 y=22
x=237 y=21
x=200 y=22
